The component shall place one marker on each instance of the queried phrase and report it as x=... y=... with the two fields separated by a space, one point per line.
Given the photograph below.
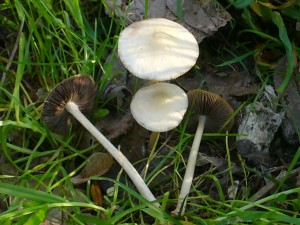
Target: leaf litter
x=233 y=86
x=260 y=122
x=201 y=17
x=97 y=164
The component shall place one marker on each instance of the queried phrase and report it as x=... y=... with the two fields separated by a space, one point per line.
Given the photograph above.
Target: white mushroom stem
x=190 y=168
x=118 y=155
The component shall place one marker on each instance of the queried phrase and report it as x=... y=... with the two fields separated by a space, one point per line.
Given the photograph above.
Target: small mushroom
x=157 y=49
x=159 y=108
x=78 y=89
x=214 y=114
x=67 y=103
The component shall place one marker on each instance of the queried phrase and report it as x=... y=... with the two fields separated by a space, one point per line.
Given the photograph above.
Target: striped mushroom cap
x=213 y=106
x=79 y=89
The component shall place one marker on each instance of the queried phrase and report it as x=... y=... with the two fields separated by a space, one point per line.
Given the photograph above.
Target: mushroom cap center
x=159 y=107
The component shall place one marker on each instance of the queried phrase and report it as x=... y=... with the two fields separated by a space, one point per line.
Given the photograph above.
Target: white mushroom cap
x=157 y=49
x=159 y=107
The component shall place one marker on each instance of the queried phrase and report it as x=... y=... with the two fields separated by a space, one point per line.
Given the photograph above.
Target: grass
x=57 y=39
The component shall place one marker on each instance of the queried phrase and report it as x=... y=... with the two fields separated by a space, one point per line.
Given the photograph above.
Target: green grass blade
x=146 y=12
x=278 y=21
x=237 y=59
x=38 y=217
x=240 y=4
x=91 y=220
x=27 y=193
x=19 y=75
x=257 y=217
x=261 y=34
x=179 y=9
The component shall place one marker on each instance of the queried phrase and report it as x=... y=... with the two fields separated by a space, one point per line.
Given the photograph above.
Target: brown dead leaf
x=55 y=216
x=204 y=15
x=98 y=164
x=114 y=125
x=156 y=9
x=203 y=159
x=113 y=7
x=133 y=143
x=96 y=194
x=230 y=86
x=201 y=17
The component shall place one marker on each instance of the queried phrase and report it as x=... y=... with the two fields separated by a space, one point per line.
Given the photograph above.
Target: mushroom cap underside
x=214 y=107
x=79 y=89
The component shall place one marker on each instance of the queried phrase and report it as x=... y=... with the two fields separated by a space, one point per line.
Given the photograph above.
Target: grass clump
x=44 y=42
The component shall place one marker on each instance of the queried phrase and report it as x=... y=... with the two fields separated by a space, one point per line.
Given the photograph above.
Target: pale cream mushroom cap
x=159 y=107
x=157 y=49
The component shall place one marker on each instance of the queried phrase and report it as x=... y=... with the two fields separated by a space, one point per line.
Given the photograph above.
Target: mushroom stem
x=117 y=154
x=190 y=168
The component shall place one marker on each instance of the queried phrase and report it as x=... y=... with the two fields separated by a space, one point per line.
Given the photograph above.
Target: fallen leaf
x=96 y=194
x=204 y=15
x=55 y=216
x=201 y=17
x=115 y=124
x=156 y=9
x=113 y=7
x=203 y=159
x=133 y=143
x=98 y=164
x=230 y=86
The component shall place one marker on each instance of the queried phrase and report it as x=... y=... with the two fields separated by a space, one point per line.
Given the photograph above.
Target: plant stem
x=150 y=149
x=153 y=140
x=117 y=154
x=190 y=168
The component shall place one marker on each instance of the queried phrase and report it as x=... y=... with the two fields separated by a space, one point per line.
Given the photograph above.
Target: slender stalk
x=153 y=140
x=150 y=149
x=190 y=168
x=117 y=154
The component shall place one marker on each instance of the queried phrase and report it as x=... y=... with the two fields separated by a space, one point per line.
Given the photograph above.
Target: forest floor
x=249 y=55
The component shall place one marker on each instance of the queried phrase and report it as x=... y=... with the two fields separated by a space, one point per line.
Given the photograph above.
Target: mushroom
x=157 y=49
x=80 y=90
x=214 y=114
x=68 y=103
x=159 y=108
